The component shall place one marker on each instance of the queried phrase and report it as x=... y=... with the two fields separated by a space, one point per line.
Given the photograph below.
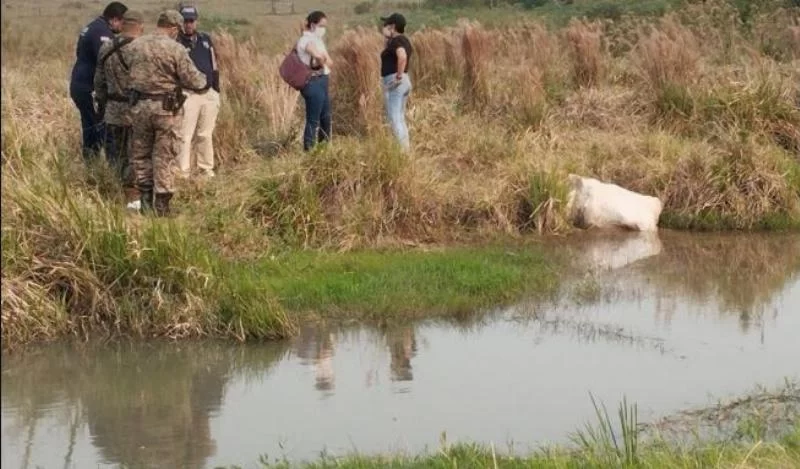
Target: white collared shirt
x=310 y=38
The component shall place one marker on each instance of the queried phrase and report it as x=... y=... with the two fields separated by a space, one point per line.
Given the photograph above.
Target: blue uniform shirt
x=89 y=42
x=200 y=50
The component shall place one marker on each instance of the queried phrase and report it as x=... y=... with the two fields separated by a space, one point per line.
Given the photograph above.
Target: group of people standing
x=149 y=100
x=396 y=83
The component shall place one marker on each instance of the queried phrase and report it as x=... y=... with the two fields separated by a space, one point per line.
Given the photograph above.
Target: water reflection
x=314 y=346
x=402 y=348
x=143 y=406
x=741 y=274
x=607 y=251
x=684 y=305
x=729 y=274
x=165 y=399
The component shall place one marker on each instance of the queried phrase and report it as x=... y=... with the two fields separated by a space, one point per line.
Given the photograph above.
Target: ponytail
x=314 y=18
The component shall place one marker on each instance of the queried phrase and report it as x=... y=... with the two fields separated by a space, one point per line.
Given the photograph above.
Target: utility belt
x=171 y=101
x=139 y=96
x=200 y=91
x=119 y=98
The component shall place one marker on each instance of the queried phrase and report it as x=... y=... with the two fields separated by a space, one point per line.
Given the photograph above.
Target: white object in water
x=135 y=205
x=593 y=203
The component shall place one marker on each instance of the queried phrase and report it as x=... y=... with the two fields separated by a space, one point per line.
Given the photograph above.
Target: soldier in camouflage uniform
x=110 y=84
x=160 y=69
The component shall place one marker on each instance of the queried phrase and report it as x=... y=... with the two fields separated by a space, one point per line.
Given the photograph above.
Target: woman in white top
x=312 y=52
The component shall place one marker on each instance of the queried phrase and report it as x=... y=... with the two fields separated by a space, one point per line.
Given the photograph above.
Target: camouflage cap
x=171 y=18
x=133 y=17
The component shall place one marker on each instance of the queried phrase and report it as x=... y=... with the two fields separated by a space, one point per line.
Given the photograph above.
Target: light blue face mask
x=320 y=31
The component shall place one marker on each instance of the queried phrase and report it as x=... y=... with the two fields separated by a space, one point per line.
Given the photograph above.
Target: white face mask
x=320 y=31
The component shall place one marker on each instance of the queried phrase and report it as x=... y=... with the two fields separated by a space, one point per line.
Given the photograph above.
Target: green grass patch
x=719 y=455
x=236 y=26
x=376 y=284
x=443 y=13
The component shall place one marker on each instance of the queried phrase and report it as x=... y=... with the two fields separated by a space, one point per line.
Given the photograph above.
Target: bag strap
x=119 y=43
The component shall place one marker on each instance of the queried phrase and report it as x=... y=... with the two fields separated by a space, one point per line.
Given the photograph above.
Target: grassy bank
x=75 y=264
x=772 y=455
x=778 y=455
x=759 y=430
x=698 y=107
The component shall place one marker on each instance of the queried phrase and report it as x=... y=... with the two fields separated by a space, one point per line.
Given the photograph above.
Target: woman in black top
x=394 y=72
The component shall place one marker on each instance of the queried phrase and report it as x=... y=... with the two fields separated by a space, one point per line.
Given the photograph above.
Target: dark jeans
x=318 y=112
x=94 y=135
x=117 y=151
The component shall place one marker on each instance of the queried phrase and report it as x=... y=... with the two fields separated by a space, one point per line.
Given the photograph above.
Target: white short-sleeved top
x=310 y=38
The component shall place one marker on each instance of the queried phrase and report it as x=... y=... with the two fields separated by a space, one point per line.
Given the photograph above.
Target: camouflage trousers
x=121 y=136
x=155 y=146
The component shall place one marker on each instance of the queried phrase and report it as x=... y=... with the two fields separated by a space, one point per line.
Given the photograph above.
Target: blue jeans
x=395 y=94
x=93 y=129
x=318 y=112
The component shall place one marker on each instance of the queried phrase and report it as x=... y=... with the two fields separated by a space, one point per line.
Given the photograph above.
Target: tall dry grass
x=356 y=86
x=587 y=50
x=476 y=47
x=438 y=62
x=667 y=55
x=257 y=105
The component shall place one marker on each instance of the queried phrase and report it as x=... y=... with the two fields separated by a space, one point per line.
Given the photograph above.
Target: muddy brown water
x=671 y=321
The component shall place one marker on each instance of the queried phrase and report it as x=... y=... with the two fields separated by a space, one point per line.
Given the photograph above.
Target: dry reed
x=667 y=55
x=476 y=48
x=356 y=86
x=585 y=41
x=257 y=104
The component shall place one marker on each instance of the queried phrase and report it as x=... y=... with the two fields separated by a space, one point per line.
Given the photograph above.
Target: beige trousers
x=199 y=118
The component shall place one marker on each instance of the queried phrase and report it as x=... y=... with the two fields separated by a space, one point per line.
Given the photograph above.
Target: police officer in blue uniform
x=81 y=84
x=203 y=57
x=202 y=106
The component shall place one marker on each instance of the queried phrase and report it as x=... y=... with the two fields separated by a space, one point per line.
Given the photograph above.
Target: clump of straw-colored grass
x=585 y=42
x=257 y=105
x=355 y=83
x=476 y=47
x=437 y=64
x=668 y=55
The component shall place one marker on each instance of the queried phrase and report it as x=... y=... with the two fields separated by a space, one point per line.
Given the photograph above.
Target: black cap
x=189 y=12
x=396 y=19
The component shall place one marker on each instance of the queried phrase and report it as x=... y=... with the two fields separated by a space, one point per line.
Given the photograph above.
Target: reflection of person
x=402 y=348
x=315 y=345
x=161 y=421
x=142 y=406
x=324 y=367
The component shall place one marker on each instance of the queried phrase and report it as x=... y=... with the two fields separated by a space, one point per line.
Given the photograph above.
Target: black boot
x=162 y=204
x=146 y=197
